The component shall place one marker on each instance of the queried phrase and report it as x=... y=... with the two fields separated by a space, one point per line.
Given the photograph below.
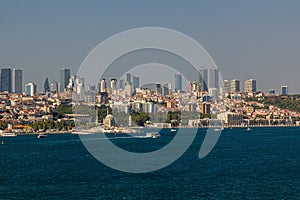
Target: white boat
x=153 y=135
x=42 y=135
x=248 y=129
x=8 y=134
x=173 y=130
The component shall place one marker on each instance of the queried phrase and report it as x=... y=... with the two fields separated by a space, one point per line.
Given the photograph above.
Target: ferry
x=153 y=135
x=8 y=134
x=42 y=135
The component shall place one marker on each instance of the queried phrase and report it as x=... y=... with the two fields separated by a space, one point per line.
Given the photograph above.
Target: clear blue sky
x=247 y=39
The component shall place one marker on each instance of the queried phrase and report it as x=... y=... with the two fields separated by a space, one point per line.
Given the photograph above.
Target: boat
x=173 y=130
x=153 y=135
x=217 y=129
x=248 y=129
x=42 y=135
x=8 y=134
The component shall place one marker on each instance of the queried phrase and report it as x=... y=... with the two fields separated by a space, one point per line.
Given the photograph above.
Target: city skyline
x=208 y=79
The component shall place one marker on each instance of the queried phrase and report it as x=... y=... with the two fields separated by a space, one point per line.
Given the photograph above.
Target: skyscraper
x=30 y=89
x=102 y=85
x=128 y=79
x=135 y=82
x=65 y=75
x=250 y=85
x=121 y=84
x=284 y=90
x=6 y=83
x=226 y=86
x=17 y=81
x=203 y=79
x=235 y=86
x=178 y=82
x=46 y=85
x=213 y=79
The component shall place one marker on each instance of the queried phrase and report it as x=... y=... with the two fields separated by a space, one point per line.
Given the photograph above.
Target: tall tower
x=235 y=86
x=17 y=81
x=135 y=82
x=203 y=79
x=6 y=83
x=250 y=85
x=213 y=80
x=46 y=85
x=65 y=75
x=226 y=86
x=178 y=82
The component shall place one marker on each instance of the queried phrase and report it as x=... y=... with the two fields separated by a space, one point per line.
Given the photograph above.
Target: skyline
x=209 y=77
x=246 y=39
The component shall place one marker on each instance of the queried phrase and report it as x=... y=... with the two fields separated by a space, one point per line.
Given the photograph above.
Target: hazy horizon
x=246 y=39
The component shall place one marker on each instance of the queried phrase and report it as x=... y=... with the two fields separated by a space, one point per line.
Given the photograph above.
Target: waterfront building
x=17 y=81
x=235 y=86
x=284 y=90
x=30 y=89
x=250 y=85
x=178 y=82
x=65 y=75
x=6 y=82
x=109 y=121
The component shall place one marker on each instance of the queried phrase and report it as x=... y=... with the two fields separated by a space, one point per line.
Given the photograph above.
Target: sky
x=247 y=39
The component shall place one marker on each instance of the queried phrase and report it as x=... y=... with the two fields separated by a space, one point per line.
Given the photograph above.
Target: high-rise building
x=65 y=75
x=121 y=84
x=203 y=79
x=135 y=82
x=157 y=88
x=250 y=85
x=6 y=83
x=112 y=84
x=17 y=81
x=213 y=78
x=284 y=90
x=178 y=82
x=102 y=85
x=46 y=85
x=165 y=89
x=226 y=86
x=30 y=89
x=235 y=86
x=128 y=79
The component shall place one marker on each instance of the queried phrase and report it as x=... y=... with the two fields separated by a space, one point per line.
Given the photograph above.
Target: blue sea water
x=261 y=164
